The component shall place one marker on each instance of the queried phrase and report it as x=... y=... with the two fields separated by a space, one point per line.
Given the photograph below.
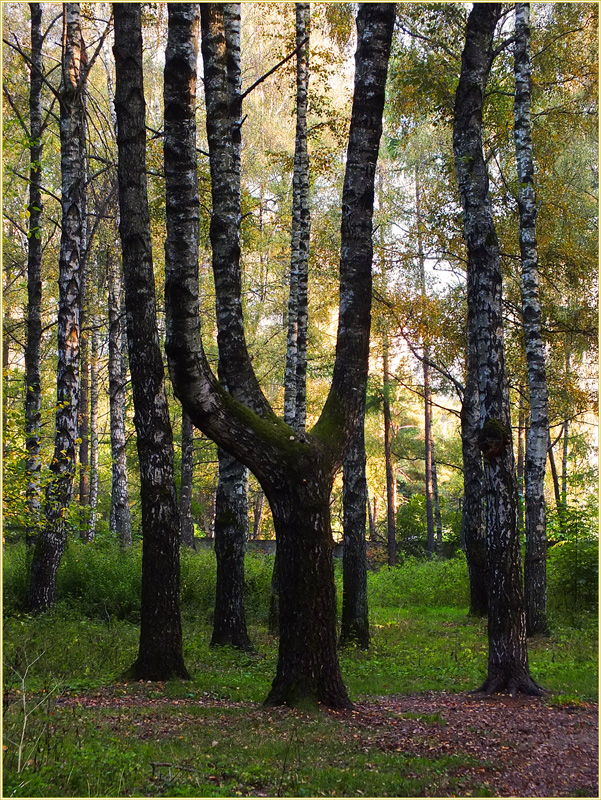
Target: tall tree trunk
x=120 y=515
x=90 y=528
x=565 y=451
x=371 y=510
x=258 y=506
x=390 y=477
x=160 y=651
x=436 y=504
x=355 y=618
x=295 y=392
x=507 y=649
x=231 y=501
x=84 y=338
x=34 y=279
x=426 y=374
x=51 y=542
x=473 y=521
x=185 y=495
x=537 y=443
x=295 y=470
x=520 y=464
x=231 y=533
x=295 y=376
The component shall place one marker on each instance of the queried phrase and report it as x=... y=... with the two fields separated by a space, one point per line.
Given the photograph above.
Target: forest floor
x=498 y=746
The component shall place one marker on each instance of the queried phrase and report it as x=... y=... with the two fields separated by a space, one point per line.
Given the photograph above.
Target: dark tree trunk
x=231 y=502
x=185 y=495
x=390 y=478
x=231 y=533
x=160 y=651
x=355 y=618
x=473 y=522
x=51 y=542
x=537 y=443
x=120 y=515
x=507 y=651
x=296 y=470
x=34 y=279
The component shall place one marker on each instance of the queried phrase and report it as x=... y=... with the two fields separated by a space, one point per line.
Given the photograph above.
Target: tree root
x=512 y=685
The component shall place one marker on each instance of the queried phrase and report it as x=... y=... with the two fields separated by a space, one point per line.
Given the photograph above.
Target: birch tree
x=160 y=650
x=52 y=539
x=296 y=470
x=120 y=515
x=537 y=442
x=507 y=650
x=34 y=276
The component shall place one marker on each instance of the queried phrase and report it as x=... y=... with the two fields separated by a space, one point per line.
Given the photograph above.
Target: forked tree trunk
x=537 y=443
x=160 y=651
x=507 y=649
x=34 y=279
x=295 y=470
x=120 y=515
x=52 y=539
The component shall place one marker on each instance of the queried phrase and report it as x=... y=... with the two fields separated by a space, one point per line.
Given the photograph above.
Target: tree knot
x=493 y=439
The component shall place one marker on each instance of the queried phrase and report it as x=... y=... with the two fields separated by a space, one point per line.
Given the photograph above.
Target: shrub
x=573 y=574
x=421 y=582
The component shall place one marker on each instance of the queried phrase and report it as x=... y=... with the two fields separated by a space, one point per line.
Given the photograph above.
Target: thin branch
x=273 y=69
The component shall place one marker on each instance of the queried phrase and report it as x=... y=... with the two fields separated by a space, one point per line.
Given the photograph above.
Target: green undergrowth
x=422 y=640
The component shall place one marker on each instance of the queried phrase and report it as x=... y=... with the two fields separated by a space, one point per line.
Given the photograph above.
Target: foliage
x=421 y=583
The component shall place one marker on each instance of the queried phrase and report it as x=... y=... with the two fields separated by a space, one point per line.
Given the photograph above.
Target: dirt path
x=524 y=747
x=533 y=750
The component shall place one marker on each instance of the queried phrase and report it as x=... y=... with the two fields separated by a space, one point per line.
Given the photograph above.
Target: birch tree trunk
x=390 y=477
x=160 y=650
x=355 y=619
x=51 y=542
x=507 y=653
x=473 y=520
x=185 y=495
x=90 y=528
x=120 y=515
x=231 y=500
x=34 y=279
x=537 y=442
x=296 y=470
x=295 y=392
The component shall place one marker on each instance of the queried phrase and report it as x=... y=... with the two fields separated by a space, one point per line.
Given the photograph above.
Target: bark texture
x=51 y=542
x=295 y=383
x=160 y=651
x=34 y=278
x=296 y=470
x=537 y=441
x=185 y=495
x=120 y=515
x=507 y=653
x=473 y=520
x=355 y=619
x=390 y=477
x=223 y=132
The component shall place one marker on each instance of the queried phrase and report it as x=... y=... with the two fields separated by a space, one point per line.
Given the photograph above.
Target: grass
x=185 y=747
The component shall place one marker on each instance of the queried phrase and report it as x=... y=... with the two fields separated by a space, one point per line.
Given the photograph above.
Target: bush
x=421 y=582
x=573 y=575
x=102 y=581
